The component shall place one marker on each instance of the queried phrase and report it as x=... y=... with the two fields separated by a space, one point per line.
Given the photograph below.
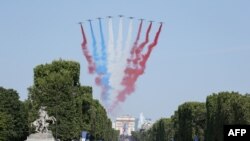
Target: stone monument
x=41 y=127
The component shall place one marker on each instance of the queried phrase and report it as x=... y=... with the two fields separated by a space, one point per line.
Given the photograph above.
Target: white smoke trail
x=119 y=40
x=115 y=74
x=125 y=51
x=127 y=48
x=110 y=48
x=110 y=55
x=118 y=56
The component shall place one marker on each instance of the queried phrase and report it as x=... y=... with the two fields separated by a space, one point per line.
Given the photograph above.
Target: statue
x=41 y=124
x=41 y=127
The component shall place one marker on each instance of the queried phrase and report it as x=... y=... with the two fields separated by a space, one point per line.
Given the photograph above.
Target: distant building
x=125 y=124
x=141 y=121
x=137 y=124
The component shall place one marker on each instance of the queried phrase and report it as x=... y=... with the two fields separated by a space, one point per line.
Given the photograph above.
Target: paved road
x=126 y=139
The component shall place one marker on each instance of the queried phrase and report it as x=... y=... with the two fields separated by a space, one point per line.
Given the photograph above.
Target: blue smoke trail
x=103 y=66
x=95 y=55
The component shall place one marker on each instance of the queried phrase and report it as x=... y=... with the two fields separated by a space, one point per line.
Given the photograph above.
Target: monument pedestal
x=41 y=137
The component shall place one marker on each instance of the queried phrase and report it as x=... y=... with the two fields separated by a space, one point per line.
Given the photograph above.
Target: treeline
x=200 y=121
x=57 y=87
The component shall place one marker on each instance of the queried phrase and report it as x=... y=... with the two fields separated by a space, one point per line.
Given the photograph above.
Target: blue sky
x=204 y=47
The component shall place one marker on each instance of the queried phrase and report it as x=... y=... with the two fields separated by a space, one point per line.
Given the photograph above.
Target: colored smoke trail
x=111 y=50
x=150 y=48
x=119 y=40
x=115 y=67
x=110 y=55
x=133 y=71
x=133 y=74
x=119 y=63
x=125 y=55
x=91 y=64
x=103 y=78
x=139 y=49
x=132 y=52
x=95 y=55
x=103 y=49
x=128 y=43
x=99 y=68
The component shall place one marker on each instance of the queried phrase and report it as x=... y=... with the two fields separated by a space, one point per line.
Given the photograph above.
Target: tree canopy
x=57 y=86
x=200 y=120
x=13 y=117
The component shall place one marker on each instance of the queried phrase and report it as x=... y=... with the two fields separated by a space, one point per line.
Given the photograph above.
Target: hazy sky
x=204 y=47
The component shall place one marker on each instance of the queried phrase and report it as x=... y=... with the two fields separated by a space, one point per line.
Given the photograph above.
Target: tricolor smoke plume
x=118 y=65
x=86 y=53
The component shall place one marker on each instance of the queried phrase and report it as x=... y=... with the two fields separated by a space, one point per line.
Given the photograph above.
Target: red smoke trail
x=91 y=65
x=139 y=33
x=150 y=48
x=132 y=53
x=139 y=49
x=132 y=74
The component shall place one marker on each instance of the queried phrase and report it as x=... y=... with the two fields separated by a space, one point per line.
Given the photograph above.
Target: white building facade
x=125 y=124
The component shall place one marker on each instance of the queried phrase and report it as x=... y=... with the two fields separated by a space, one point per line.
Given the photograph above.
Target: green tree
x=6 y=126
x=191 y=121
x=204 y=120
x=162 y=130
x=225 y=108
x=57 y=86
x=13 y=116
x=169 y=129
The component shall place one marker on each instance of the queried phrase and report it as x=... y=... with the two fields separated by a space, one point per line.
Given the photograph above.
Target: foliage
x=6 y=126
x=204 y=120
x=225 y=108
x=57 y=86
x=13 y=117
x=191 y=121
x=162 y=130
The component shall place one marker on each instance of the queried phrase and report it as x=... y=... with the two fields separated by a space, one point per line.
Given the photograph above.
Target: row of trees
x=57 y=87
x=202 y=121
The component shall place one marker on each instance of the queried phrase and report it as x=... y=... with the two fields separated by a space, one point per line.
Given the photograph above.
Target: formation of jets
x=121 y=16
